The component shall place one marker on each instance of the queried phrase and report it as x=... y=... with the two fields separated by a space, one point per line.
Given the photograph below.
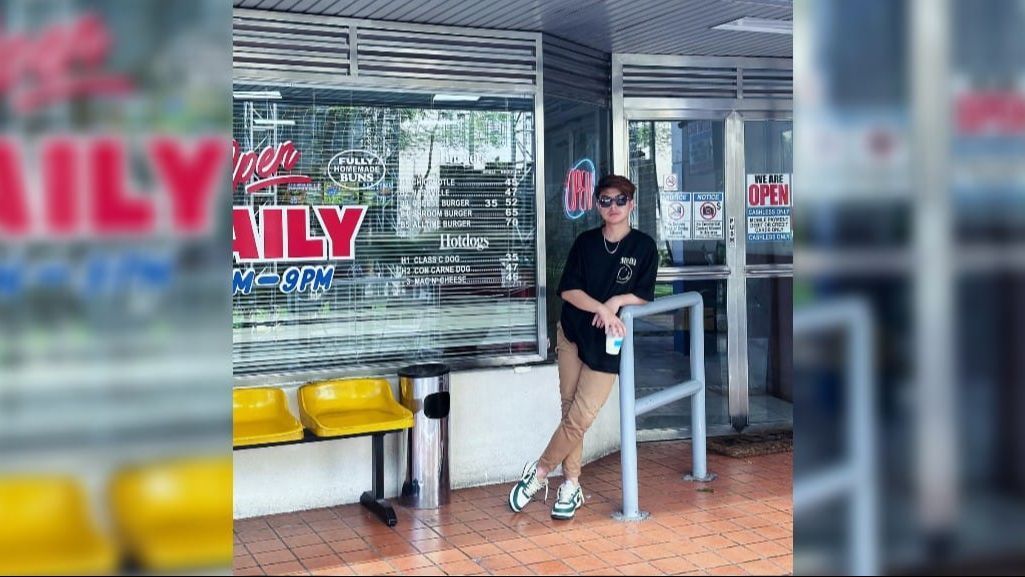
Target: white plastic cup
x=613 y=344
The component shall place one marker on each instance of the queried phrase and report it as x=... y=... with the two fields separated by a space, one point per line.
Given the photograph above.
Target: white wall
x=500 y=419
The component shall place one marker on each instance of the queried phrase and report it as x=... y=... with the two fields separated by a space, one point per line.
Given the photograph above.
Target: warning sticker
x=768 y=208
x=676 y=215
x=708 y=209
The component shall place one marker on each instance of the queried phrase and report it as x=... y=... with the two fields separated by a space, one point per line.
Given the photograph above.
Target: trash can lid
x=424 y=371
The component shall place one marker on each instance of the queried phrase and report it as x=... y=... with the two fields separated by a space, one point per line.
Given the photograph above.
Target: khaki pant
x=584 y=392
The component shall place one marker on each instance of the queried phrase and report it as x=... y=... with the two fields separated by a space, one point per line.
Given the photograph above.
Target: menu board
x=476 y=217
x=372 y=234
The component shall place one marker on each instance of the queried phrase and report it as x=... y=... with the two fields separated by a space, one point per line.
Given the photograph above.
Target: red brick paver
x=740 y=524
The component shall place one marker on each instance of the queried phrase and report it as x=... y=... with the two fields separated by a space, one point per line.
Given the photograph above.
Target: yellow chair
x=176 y=515
x=261 y=416
x=351 y=407
x=46 y=529
x=356 y=407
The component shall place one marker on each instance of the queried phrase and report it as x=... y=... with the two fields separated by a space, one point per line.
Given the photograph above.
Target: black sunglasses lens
x=606 y=201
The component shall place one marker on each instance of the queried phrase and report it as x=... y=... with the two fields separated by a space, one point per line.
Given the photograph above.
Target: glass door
x=680 y=167
x=715 y=191
x=769 y=256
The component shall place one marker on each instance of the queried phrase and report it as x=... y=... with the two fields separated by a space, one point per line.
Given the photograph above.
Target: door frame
x=641 y=106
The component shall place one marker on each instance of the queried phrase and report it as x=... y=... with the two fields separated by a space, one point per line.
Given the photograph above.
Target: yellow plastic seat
x=346 y=407
x=261 y=416
x=47 y=529
x=176 y=515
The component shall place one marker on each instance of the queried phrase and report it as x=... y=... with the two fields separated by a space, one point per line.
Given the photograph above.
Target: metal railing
x=855 y=480
x=630 y=407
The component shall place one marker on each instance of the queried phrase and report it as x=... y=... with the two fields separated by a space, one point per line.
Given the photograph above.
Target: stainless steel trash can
x=424 y=391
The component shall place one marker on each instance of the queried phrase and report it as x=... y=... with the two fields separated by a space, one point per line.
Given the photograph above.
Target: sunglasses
x=606 y=201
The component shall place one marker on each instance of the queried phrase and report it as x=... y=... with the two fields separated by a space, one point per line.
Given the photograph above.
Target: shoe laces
x=533 y=483
x=566 y=491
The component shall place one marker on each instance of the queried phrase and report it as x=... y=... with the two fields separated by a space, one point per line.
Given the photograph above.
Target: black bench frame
x=374 y=499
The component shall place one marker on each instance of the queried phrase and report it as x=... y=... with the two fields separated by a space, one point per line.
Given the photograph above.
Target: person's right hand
x=604 y=318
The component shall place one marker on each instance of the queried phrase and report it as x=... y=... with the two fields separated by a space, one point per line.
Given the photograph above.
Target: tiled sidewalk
x=739 y=524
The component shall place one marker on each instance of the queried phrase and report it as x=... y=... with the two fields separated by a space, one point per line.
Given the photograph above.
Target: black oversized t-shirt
x=631 y=268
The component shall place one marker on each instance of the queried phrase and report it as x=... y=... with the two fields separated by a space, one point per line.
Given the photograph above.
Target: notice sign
x=708 y=208
x=676 y=215
x=768 y=208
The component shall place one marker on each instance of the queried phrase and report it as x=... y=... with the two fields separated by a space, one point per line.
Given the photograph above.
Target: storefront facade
x=408 y=192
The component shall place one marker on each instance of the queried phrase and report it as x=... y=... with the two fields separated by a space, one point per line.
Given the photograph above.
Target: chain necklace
x=606 y=241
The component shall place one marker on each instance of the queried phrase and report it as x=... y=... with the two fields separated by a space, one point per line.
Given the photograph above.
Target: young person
x=607 y=268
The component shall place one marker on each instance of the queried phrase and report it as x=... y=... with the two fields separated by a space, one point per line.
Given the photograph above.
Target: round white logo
x=624 y=274
x=356 y=169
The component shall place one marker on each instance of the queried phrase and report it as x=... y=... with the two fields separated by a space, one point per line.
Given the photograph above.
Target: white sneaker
x=569 y=499
x=528 y=486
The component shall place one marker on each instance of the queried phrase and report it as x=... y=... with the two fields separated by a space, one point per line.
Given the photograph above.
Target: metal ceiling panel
x=678 y=27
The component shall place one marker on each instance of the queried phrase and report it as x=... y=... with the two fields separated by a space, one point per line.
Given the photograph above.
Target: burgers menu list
x=475 y=227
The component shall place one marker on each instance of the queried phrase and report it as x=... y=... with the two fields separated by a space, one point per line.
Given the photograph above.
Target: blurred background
x=115 y=366
x=909 y=300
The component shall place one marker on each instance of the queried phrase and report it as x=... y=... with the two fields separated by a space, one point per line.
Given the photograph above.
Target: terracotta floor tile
x=727 y=570
x=554 y=567
x=533 y=555
x=465 y=567
x=706 y=560
x=512 y=570
x=497 y=562
x=785 y=562
x=617 y=558
x=642 y=568
x=713 y=542
x=408 y=562
x=481 y=551
x=432 y=545
x=744 y=526
x=447 y=556
x=550 y=539
x=585 y=562
x=360 y=556
x=432 y=570
x=673 y=565
x=248 y=571
x=265 y=546
x=243 y=562
x=652 y=552
x=310 y=551
x=466 y=539
x=738 y=554
x=325 y=562
x=347 y=545
x=286 y=568
x=514 y=545
x=396 y=550
x=343 y=570
x=769 y=549
x=271 y=557
x=761 y=567
x=773 y=532
x=371 y=568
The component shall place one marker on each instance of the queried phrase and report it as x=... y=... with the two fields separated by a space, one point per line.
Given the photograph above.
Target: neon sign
x=578 y=194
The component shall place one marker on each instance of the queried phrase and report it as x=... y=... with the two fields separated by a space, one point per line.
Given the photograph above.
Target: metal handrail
x=854 y=481
x=630 y=407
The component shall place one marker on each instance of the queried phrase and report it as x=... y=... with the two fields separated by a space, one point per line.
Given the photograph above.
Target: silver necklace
x=606 y=241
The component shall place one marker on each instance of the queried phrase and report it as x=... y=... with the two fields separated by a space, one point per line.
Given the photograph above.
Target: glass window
x=680 y=171
x=372 y=229
x=576 y=157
